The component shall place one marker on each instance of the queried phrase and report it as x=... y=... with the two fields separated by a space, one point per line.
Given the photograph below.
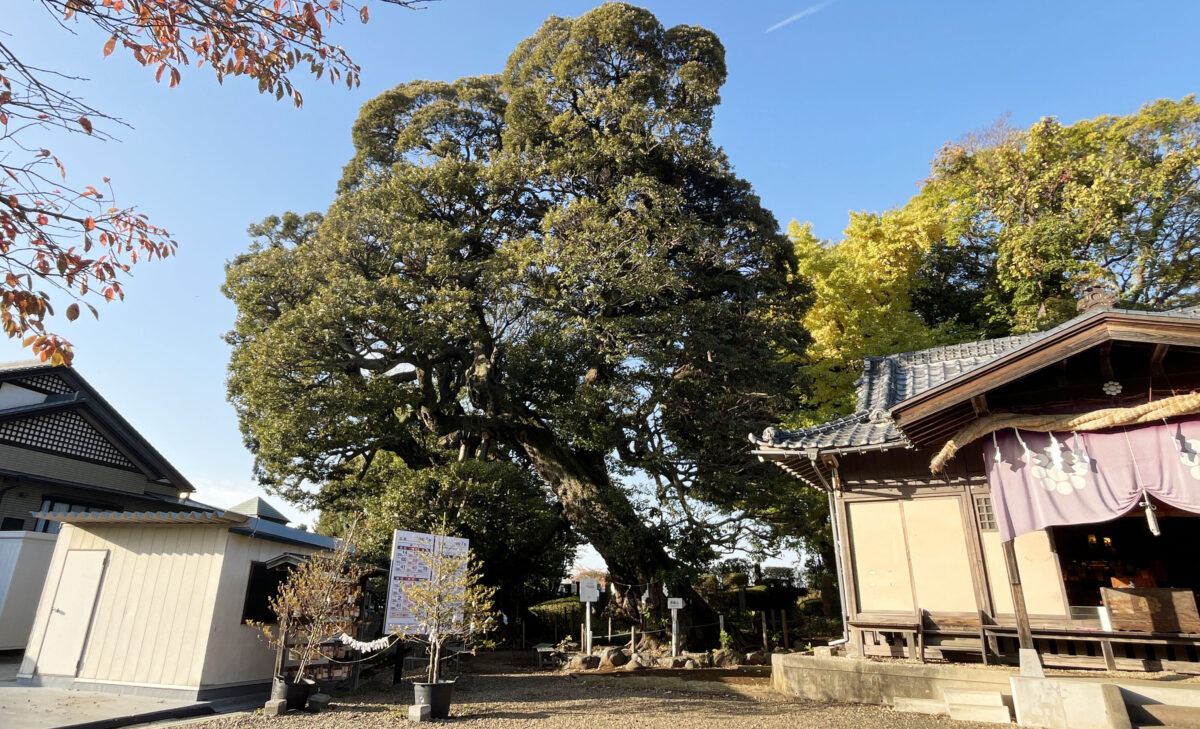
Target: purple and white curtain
x=1039 y=480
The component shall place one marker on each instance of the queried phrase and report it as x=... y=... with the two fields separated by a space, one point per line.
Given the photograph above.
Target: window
x=51 y=504
x=12 y=524
x=263 y=585
x=983 y=511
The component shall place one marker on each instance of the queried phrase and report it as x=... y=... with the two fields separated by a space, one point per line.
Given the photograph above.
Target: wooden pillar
x=1031 y=664
x=1024 y=633
x=783 y=621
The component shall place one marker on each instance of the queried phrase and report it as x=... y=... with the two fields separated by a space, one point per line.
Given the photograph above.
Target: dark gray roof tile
x=889 y=380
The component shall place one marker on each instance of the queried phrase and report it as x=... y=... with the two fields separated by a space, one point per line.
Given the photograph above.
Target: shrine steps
x=1165 y=715
x=981 y=706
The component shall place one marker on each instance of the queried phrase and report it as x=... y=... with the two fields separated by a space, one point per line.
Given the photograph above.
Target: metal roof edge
x=176 y=518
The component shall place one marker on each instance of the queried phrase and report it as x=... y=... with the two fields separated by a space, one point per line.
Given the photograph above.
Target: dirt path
x=494 y=694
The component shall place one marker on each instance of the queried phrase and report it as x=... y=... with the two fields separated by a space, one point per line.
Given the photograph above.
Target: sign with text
x=589 y=589
x=674 y=603
x=408 y=567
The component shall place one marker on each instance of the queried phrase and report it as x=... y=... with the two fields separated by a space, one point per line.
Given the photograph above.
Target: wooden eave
x=927 y=416
x=798 y=465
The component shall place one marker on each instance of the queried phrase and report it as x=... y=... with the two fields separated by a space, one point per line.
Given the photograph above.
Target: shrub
x=737 y=579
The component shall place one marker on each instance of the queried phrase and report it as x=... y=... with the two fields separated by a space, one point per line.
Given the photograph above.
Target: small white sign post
x=676 y=604
x=589 y=592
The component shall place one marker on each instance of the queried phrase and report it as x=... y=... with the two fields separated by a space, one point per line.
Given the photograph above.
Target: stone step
x=974 y=698
x=982 y=714
x=1183 y=717
x=919 y=706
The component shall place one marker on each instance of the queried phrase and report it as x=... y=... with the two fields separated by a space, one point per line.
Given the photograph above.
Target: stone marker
x=726 y=657
x=318 y=702
x=823 y=651
x=583 y=662
x=756 y=658
x=613 y=658
x=420 y=712
x=275 y=707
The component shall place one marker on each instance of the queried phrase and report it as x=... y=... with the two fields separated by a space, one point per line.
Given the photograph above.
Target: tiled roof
x=889 y=380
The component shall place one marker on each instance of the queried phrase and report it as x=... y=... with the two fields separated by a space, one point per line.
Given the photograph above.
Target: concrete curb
x=149 y=717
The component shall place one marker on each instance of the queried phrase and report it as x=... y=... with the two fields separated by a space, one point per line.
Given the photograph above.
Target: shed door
x=71 y=615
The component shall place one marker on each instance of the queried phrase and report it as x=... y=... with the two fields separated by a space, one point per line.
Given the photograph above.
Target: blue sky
x=840 y=109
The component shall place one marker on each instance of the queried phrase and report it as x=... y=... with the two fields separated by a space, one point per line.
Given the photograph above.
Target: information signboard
x=589 y=589
x=407 y=568
x=674 y=603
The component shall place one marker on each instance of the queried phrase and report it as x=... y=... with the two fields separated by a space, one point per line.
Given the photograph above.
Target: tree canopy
x=1036 y=216
x=72 y=238
x=555 y=266
x=516 y=527
x=1009 y=230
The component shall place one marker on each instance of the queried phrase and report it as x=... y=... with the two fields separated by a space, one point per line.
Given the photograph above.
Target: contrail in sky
x=802 y=14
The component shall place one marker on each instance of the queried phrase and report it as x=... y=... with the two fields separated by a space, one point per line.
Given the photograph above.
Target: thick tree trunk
x=602 y=513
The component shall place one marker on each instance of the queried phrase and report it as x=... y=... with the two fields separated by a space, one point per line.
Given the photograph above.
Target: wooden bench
x=546 y=654
x=910 y=627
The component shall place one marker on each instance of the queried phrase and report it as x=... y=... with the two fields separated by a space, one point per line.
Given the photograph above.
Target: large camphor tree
x=555 y=266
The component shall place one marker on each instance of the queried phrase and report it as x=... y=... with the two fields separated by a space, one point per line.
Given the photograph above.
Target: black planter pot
x=436 y=695
x=295 y=693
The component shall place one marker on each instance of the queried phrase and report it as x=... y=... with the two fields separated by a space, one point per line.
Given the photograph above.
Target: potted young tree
x=451 y=604
x=315 y=604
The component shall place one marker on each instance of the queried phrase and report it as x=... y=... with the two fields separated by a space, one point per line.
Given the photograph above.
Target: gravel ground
x=495 y=694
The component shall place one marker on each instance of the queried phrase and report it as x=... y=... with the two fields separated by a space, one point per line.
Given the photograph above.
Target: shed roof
x=893 y=380
x=240 y=524
x=166 y=518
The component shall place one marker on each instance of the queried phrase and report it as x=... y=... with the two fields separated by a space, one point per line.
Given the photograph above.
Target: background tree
x=1038 y=215
x=55 y=236
x=555 y=266
x=1009 y=229
x=862 y=301
x=513 y=521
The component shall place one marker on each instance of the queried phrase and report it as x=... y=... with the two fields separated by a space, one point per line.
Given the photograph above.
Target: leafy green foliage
x=1055 y=209
x=863 y=303
x=1010 y=229
x=555 y=266
x=515 y=526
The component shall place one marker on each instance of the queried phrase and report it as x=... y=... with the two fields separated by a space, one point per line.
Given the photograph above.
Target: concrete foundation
x=862 y=681
x=1065 y=704
x=1057 y=702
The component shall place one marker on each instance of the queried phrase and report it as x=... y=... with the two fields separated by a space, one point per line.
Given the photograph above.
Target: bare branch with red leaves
x=54 y=237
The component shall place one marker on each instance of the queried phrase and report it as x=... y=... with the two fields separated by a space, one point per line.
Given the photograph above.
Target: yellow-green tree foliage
x=1112 y=201
x=861 y=300
x=1010 y=229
